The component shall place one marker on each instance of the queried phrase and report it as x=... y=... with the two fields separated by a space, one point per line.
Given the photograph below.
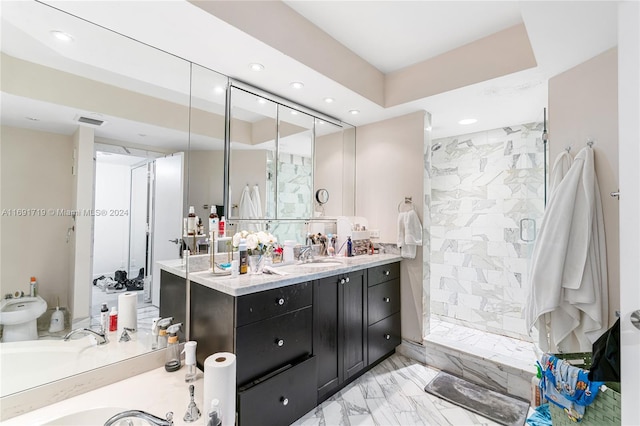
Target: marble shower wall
x=487 y=201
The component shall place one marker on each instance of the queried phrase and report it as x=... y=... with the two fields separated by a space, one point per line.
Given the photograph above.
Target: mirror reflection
x=94 y=185
x=252 y=169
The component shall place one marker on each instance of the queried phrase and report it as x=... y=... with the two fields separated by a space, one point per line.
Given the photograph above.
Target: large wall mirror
x=98 y=168
x=280 y=156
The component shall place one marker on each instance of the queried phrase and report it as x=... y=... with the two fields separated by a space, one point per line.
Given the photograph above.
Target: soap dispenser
x=190 y=361
x=172 y=355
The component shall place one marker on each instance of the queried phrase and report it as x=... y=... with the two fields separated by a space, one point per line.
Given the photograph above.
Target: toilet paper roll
x=127 y=311
x=220 y=384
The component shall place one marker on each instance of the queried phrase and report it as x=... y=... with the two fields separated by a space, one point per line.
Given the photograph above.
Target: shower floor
x=501 y=363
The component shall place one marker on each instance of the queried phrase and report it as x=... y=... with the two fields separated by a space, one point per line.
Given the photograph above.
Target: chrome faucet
x=139 y=414
x=305 y=253
x=101 y=337
x=142 y=415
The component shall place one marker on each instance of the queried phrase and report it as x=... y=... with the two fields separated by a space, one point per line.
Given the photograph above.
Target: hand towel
x=409 y=233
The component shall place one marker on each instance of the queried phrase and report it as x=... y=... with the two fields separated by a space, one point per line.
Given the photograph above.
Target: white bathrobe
x=409 y=233
x=257 y=202
x=568 y=295
x=246 y=208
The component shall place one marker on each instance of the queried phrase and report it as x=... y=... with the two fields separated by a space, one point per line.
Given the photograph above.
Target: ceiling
x=384 y=37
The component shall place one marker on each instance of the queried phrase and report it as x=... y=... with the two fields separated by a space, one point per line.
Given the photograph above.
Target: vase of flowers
x=260 y=246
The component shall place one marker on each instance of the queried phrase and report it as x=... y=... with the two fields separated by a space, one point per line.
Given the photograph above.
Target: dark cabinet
x=383 y=306
x=340 y=330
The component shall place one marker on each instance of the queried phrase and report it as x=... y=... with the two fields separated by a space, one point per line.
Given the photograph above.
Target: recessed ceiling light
x=62 y=36
x=262 y=101
x=296 y=84
x=218 y=89
x=320 y=122
x=294 y=112
x=32 y=118
x=466 y=121
x=329 y=100
x=354 y=112
x=256 y=66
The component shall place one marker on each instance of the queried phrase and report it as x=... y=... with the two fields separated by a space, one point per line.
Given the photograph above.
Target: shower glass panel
x=487 y=204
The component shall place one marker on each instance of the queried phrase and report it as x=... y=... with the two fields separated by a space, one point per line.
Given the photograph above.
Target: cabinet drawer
x=281 y=399
x=383 y=273
x=264 y=346
x=383 y=336
x=383 y=300
x=266 y=304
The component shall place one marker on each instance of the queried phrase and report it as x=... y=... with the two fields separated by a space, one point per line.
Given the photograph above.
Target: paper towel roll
x=220 y=384
x=127 y=311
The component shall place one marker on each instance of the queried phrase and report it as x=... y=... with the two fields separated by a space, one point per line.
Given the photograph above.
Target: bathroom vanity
x=299 y=337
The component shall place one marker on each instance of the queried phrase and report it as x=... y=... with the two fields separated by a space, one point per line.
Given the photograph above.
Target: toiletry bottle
x=222 y=230
x=104 y=318
x=113 y=319
x=172 y=354
x=215 y=418
x=33 y=287
x=242 y=251
x=154 y=332
x=163 y=324
x=191 y=221
x=190 y=361
x=213 y=220
x=349 y=247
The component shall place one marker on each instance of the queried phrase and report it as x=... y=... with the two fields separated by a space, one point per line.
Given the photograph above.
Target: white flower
x=257 y=242
x=252 y=241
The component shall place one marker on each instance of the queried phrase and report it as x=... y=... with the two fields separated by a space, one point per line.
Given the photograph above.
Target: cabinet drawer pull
x=387 y=300
x=281 y=301
x=347 y=279
x=284 y=401
x=280 y=342
x=385 y=273
x=387 y=336
x=342 y=281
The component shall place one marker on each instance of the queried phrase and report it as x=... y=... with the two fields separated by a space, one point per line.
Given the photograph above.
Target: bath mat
x=493 y=405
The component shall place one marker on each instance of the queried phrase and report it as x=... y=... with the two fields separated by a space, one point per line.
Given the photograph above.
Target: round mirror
x=322 y=196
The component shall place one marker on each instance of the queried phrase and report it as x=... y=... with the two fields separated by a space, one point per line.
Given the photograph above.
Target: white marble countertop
x=156 y=392
x=295 y=273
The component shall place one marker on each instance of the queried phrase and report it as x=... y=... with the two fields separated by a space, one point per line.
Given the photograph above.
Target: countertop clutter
x=156 y=392
x=293 y=273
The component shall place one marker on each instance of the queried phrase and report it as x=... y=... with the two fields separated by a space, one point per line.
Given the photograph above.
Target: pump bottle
x=349 y=247
x=213 y=220
x=189 y=352
x=163 y=324
x=191 y=221
x=172 y=362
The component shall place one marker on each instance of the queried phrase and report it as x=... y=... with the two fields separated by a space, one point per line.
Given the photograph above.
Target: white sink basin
x=93 y=416
x=318 y=265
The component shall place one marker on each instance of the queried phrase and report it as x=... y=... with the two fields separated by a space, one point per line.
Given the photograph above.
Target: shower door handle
x=527 y=230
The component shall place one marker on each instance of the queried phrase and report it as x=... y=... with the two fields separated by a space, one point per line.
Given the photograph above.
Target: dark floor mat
x=493 y=405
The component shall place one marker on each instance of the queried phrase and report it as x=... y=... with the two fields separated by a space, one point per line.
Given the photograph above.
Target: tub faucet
x=141 y=415
x=101 y=337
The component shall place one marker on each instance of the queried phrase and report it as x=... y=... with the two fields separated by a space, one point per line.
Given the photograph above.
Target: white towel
x=560 y=168
x=245 y=208
x=568 y=296
x=257 y=203
x=409 y=233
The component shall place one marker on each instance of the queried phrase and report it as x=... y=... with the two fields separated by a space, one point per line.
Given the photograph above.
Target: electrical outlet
x=374 y=233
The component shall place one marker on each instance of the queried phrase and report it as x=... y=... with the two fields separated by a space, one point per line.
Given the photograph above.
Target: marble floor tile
x=391 y=394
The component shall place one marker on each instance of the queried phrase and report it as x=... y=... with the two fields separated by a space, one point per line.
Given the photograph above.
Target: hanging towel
x=560 y=168
x=257 y=203
x=409 y=233
x=568 y=292
x=246 y=209
x=567 y=386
